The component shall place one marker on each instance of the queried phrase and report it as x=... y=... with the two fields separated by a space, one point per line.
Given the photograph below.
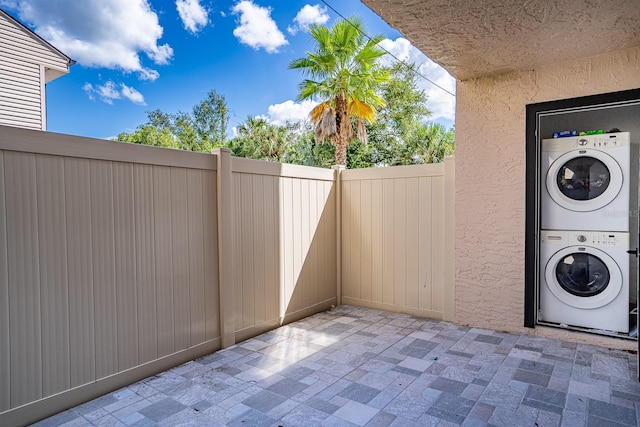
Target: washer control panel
x=600 y=142
x=588 y=238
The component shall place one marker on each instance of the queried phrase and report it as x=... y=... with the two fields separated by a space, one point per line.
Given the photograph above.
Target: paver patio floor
x=354 y=366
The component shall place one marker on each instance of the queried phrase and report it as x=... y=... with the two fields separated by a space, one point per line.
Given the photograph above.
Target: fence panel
x=285 y=236
x=108 y=268
x=393 y=239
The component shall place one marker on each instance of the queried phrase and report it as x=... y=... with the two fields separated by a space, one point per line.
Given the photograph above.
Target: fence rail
x=118 y=261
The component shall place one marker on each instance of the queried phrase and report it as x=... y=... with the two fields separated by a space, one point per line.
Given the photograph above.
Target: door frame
x=532 y=183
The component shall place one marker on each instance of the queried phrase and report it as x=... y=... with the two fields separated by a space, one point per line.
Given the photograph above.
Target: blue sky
x=139 y=55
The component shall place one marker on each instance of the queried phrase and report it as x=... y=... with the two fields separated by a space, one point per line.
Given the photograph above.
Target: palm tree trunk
x=344 y=130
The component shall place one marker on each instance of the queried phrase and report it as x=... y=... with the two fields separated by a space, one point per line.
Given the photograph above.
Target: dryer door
x=583 y=277
x=584 y=180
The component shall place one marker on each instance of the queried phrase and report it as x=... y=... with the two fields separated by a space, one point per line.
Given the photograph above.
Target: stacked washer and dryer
x=584 y=236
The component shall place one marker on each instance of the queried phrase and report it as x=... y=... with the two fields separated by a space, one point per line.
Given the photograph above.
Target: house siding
x=490 y=182
x=22 y=76
x=20 y=96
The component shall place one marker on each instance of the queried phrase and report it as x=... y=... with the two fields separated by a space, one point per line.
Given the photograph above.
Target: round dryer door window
x=584 y=180
x=583 y=277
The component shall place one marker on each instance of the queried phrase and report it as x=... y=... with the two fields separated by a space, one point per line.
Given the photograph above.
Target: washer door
x=583 y=277
x=584 y=180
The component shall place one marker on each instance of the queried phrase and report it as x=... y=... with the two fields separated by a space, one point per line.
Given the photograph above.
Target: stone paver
x=351 y=366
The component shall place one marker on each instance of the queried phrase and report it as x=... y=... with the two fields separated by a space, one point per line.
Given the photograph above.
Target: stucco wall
x=490 y=182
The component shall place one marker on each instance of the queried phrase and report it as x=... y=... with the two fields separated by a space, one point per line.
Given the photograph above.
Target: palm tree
x=431 y=143
x=344 y=74
x=259 y=139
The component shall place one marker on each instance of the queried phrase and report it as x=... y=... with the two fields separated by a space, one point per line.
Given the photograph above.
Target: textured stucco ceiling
x=475 y=38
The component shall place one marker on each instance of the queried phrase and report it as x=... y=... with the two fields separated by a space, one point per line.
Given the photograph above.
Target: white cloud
x=132 y=95
x=110 y=91
x=88 y=87
x=309 y=15
x=256 y=27
x=194 y=16
x=290 y=111
x=110 y=34
x=441 y=104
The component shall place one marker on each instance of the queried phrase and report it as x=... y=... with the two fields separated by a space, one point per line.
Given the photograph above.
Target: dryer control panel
x=587 y=238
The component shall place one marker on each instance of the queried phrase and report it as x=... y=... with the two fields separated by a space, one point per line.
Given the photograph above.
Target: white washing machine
x=585 y=183
x=584 y=279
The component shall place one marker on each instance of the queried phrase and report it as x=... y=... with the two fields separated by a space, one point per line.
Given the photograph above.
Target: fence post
x=337 y=179
x=449 y=312
x=224 y=196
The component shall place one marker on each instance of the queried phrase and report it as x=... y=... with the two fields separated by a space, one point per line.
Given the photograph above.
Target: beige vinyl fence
x=284 y=245
x=118 y=261
x=112 y=255
x=397 y=239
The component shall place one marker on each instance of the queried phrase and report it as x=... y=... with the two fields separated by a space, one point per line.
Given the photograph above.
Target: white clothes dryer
x=585 y=183
x=584 y=279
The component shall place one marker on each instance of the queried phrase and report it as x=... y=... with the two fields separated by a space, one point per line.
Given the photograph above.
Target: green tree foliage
x=258 y=139
x=400 y=135
x=150 y=135
x=405 y=104
x=292 y=143
x=210 y=118
x=359 y=155
x=427 y=143
x=201 y=131
x=344 y=75
x=303 y=149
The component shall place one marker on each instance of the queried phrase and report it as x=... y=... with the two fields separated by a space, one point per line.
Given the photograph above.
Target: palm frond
x=361 y=110
x=307 y=89
x=361 y=131
x=325 y=124
x=318 y=110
